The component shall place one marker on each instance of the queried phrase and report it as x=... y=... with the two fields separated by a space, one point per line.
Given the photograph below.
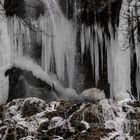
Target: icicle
x=135 y=10
x=92 y=53
x=94 y=42
x=82 y=39
x=5 y=60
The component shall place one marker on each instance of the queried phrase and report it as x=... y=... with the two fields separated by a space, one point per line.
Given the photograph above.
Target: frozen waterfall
x=50 y=39
x=56 y=36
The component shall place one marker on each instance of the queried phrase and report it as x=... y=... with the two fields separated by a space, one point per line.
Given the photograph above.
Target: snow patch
x=86 y=124
x=56 y=122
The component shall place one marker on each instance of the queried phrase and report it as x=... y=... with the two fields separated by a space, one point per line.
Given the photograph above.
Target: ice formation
x=56 y=37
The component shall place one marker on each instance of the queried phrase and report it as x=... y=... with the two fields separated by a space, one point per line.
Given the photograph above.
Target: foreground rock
x=34 y=119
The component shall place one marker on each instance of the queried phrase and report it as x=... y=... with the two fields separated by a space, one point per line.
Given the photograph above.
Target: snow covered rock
x=106 y=120
x=93 y=94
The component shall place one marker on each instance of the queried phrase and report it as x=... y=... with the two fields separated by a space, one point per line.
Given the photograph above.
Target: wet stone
x=32 y=107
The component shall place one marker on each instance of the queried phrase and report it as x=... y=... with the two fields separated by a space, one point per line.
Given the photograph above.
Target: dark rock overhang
x=91 y=11
x=24 y=9
x=17 y=79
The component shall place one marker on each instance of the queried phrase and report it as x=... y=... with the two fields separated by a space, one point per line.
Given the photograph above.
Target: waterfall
x=5 y=59
x=56 y=36
x=96 y=40
x=49 y=37
x=122 y=54
x=118 y=49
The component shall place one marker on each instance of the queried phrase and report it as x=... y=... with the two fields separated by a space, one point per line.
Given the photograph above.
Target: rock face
x=35 y=119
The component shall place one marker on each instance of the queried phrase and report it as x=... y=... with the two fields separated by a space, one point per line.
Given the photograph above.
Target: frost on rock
x=32 y=118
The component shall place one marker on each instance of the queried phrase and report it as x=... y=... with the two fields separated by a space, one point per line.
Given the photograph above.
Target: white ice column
x=122 y=54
